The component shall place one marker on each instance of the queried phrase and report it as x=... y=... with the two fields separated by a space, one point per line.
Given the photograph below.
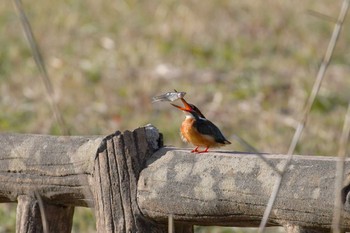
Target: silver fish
x=169 y=96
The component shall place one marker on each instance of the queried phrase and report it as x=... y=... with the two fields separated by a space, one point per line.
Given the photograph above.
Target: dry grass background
x=248 y=65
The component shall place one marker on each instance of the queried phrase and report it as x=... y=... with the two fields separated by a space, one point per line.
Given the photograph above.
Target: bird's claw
x=195 y=150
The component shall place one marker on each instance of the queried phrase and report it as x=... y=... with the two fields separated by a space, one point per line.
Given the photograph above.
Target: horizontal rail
x=232 y=189
x=56 y=167
x=130 y=186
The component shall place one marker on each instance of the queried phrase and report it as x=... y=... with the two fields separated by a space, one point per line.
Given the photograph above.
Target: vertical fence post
x=29 y=217
x=118 y=163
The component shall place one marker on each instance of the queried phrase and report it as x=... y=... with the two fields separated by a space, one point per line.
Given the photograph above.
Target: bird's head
x=189 y=109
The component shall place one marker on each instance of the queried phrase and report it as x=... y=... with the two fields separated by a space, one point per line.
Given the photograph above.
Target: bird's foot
x=203 y=151
x=195 y=150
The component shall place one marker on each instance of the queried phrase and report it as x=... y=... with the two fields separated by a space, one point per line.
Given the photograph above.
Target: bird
x=198 y=130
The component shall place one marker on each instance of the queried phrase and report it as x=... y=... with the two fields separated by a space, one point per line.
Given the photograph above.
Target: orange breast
x=191 y=134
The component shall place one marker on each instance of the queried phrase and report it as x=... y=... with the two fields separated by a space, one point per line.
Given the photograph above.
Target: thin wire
x=252 y=149
x=322 y=16
x=170 y=223
x=244 y=143
x=337 y=212
x=310 y=101
x=48 y=87
x=42 y=212
x=41 y=66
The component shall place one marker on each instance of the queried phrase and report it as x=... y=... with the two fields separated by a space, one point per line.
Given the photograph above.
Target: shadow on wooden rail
x=134 y=184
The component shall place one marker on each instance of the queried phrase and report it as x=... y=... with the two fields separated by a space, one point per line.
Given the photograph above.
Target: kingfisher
x=198 y=130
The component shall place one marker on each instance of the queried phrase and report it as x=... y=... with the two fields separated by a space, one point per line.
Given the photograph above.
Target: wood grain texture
x=133 y=189
x=232 y=189
x=56 y=167
x=28 y=219
x=92 y=171
x=117 y=166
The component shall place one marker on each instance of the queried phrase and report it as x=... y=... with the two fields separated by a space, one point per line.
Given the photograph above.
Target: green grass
x=249 y=66
x=7 y=218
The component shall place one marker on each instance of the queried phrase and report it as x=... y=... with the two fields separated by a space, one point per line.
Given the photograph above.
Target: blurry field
x=248 y=65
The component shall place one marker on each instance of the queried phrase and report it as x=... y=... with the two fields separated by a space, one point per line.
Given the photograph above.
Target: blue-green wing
x=206 y=127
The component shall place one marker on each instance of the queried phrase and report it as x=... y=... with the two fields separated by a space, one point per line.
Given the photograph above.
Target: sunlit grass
x=83 y=220
x=7 y=217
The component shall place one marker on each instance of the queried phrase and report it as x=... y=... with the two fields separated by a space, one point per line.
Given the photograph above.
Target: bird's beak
x=186 y=107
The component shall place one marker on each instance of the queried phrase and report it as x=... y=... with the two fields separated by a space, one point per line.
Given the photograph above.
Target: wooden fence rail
x=134 y=184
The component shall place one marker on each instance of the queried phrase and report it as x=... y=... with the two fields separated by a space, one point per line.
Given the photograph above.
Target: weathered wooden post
x=29 y=217
x=50 y=170
x=91 y=171
x=118 y=163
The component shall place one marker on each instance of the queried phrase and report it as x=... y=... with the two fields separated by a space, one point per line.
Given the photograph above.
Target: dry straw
x=302 y=123
x=42 y=68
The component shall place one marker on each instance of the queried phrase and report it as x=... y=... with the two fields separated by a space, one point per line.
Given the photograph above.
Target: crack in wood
x=120 y=155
